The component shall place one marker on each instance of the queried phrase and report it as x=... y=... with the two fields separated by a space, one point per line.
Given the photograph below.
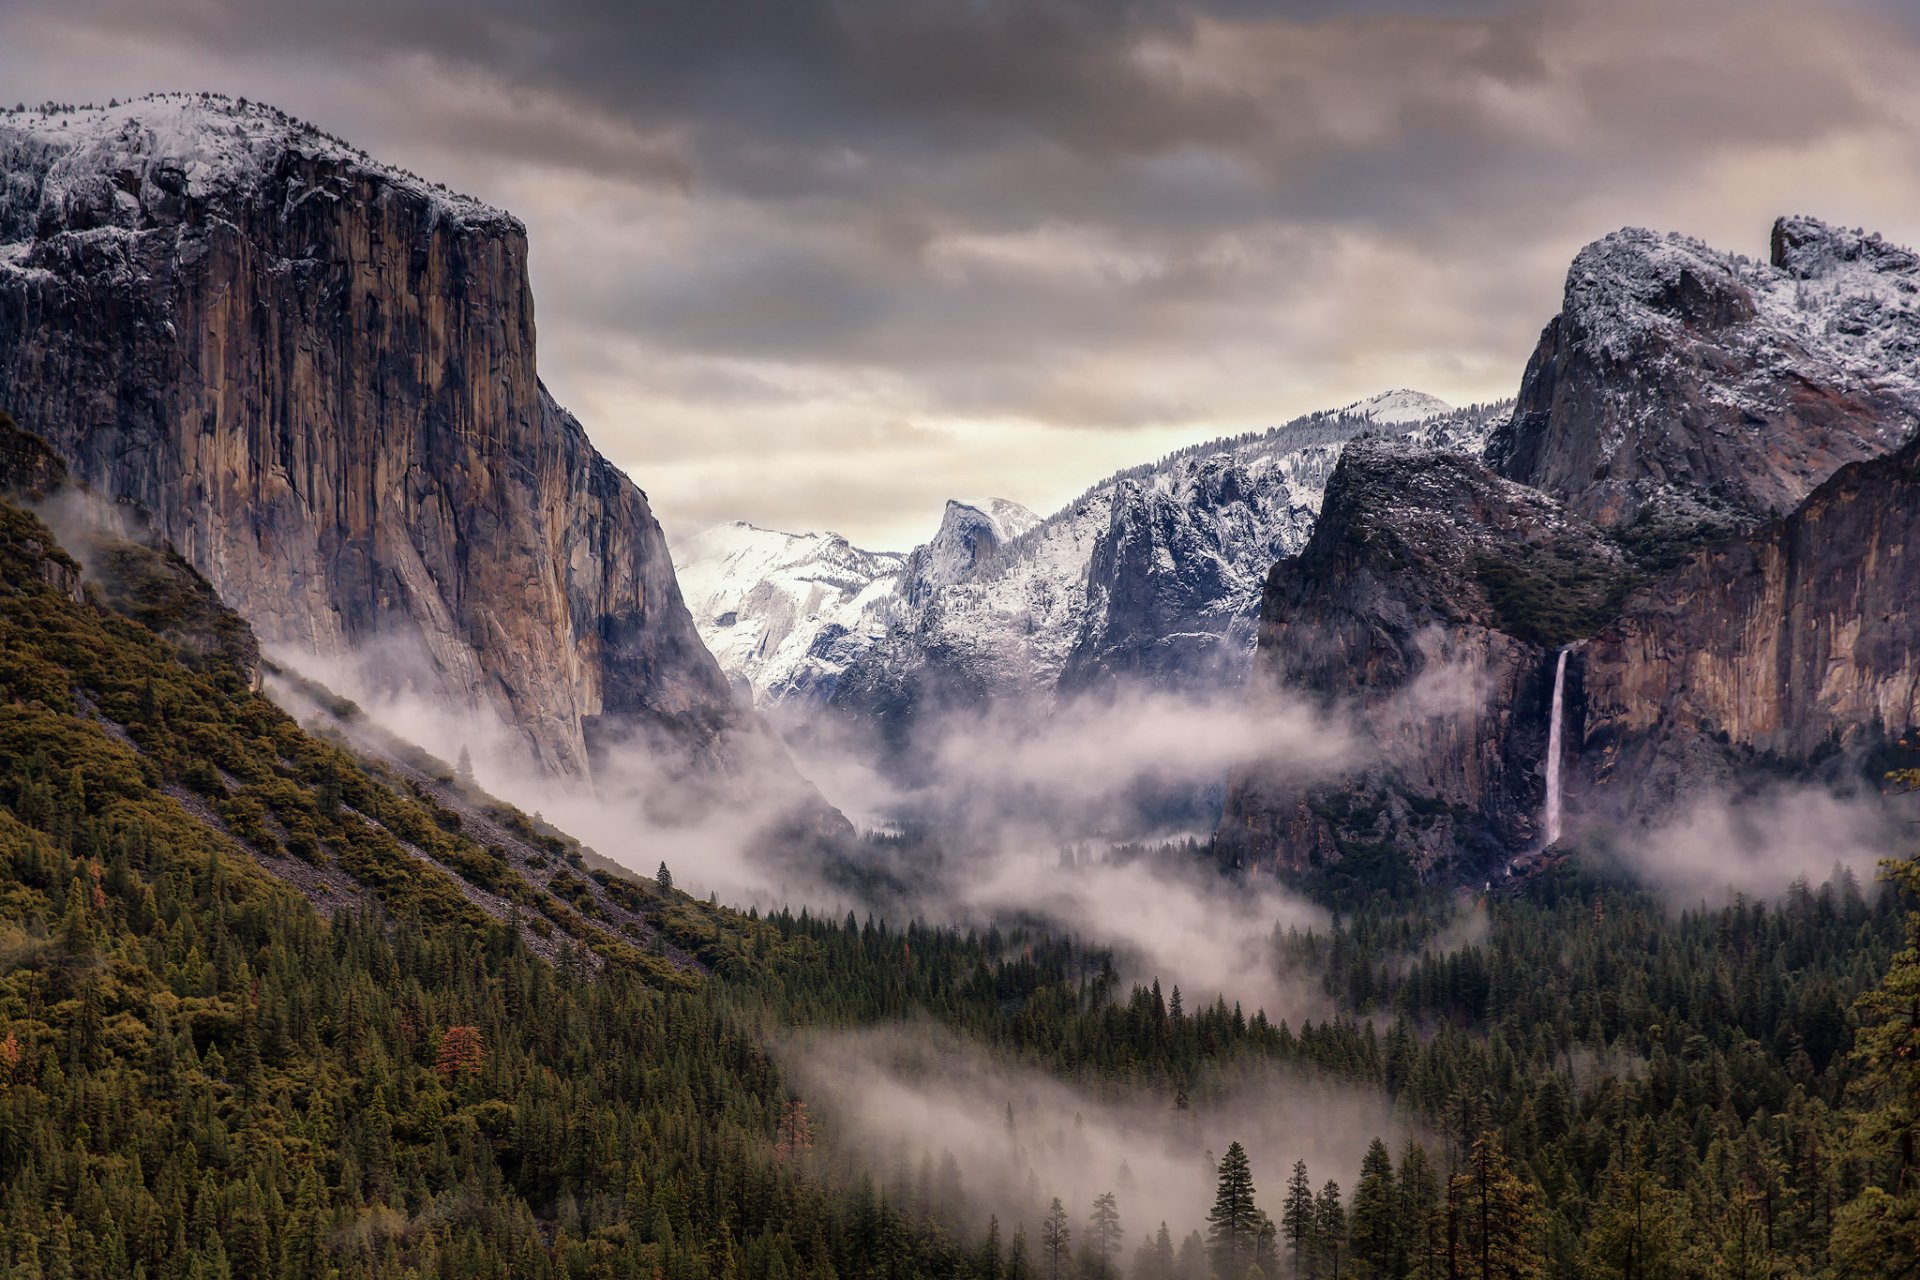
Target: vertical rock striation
x=317 y=375
x=1797 y=642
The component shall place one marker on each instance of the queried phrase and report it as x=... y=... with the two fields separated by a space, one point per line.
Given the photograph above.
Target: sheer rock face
x=1415 y=609
x=1716 y=507
x=1681 y=387
x=1796 y=642
x=317 y=375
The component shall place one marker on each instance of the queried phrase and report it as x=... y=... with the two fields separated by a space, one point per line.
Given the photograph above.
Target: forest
x=202 y=1074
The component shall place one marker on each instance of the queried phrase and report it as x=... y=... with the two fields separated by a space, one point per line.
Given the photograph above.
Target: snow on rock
x=785 y=612
x=1153 y=573
x=1398 y=408
x=1682 y=386
x=124 y=167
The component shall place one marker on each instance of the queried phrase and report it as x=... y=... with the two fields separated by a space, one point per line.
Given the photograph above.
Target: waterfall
x=1553 y=750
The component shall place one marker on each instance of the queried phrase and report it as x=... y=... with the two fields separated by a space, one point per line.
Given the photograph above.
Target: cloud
x=1055 y=237
x=1035 y=819
x=1757 y=846
x=1019 y=1137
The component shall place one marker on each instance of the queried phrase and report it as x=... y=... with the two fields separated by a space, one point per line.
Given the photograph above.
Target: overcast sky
x=824 y=263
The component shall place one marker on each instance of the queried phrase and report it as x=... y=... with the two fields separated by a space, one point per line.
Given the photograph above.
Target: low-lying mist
x=1720 y=847
x=904 y=1096
x=1010 y=792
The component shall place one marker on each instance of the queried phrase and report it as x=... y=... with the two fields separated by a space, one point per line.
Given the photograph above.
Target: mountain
x=1151 y=576
x=316 y=375
x=1684 y=388
x=784 y=613
x=1154 y=573
x=1424 y=606
x=1702 y=496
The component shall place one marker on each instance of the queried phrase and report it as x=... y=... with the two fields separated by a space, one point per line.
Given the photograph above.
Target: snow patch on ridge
x=92 y=168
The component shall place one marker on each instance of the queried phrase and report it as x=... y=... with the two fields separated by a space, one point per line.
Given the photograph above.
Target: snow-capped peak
x=783 y=612
x=1399 y=407
x=969 y=537
x=115 y=166
x=1157 y=566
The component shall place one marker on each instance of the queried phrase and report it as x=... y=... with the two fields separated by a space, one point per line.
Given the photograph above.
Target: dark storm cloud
x=771 y=229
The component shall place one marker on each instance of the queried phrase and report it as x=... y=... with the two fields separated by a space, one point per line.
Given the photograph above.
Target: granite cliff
x=1705 y=495
x=317 y=376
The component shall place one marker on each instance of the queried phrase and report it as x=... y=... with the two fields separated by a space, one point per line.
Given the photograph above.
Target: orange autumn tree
x=461 y=1053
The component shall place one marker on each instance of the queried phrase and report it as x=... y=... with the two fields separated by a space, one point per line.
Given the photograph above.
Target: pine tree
x=1879 y=1230
x=1375 y=1228
x=989 y=1264
x=1233 y=1228
x=1103 y=1234
x=463 y=770
x=1017 y=1265
x=1330 y=1230
x=461 y=1053
x=1192 y=1261
x=1055 y=1236
x=1296 y=1220
x=1638 y=1230
x=1495 y=1220
x=1421 y=1222
x=1155 y=1259
x=663 y=878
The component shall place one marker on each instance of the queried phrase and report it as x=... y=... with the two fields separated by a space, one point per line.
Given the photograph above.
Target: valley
x=1409 y=841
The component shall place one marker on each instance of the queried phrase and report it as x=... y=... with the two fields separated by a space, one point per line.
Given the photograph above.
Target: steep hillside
x=316 y=375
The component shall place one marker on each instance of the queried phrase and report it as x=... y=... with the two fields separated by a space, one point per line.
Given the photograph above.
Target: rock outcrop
x=1684 y=391
x=1707 y=489
x=1795 y=645
x=1427 y=606
x=317 y=375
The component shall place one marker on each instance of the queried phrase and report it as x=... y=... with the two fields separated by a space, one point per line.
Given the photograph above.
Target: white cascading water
x=1553 y=750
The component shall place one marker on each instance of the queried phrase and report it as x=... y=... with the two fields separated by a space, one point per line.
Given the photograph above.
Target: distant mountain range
x=1154 y=572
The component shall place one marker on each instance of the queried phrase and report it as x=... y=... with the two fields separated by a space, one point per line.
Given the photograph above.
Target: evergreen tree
x=1055 y=1236
x=1494 y=1218
x=1330 y=1230
x=1103 y=1234
x=1297 y=1221
x=1233 y=1228
x=988 y=1267
x=1155 y=1258
x=1018 y=1267
x=1878 y=1232
x=1192 y=1262
x=663 y=878
x=1421 y=1246
x=1638 y=1230
x=1375 y=1231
